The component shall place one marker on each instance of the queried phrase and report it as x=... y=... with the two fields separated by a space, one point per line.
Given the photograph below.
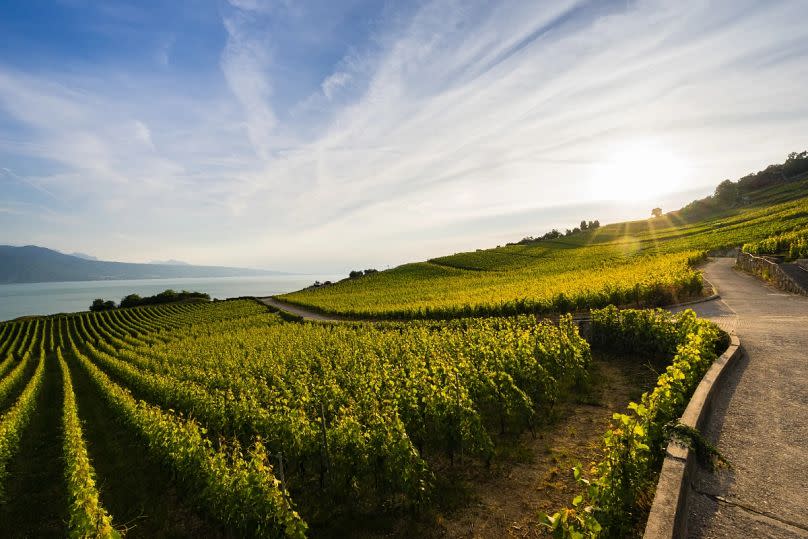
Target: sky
x=322 y=136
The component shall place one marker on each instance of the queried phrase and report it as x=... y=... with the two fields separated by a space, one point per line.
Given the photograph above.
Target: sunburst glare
x=637 y=171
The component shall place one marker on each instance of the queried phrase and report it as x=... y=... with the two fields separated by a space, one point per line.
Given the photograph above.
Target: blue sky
x=321 y=136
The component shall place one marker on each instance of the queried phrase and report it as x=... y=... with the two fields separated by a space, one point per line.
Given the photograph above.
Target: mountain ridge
x=34 y=264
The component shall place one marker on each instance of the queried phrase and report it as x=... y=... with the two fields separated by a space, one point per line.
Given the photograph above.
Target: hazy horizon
x=323 y=136
x=606 y=214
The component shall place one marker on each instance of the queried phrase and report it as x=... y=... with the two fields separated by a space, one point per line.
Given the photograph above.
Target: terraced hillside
x=641 y=263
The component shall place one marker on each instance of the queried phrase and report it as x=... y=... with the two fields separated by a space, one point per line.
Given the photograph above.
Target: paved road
x=797 y=273
x=760 y=423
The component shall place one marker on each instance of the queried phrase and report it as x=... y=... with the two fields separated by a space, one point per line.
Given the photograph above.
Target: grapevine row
x=793 y=244
x=87 y=517
x=239 y=489
x=15 y=419
x=424 y=389
x=14 y=379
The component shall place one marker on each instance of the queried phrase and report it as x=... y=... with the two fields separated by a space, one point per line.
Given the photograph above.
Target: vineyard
x=221 y=419
x=615 y=493
x=640 y=264
x=267 y=425
x=793 y=245
x=270 y=428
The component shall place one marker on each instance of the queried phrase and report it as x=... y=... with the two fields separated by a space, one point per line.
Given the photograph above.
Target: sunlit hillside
x=648 y=262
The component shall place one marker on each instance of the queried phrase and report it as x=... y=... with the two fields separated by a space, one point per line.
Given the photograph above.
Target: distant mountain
x=169 y=262
x=84 y=256
x=32 y=264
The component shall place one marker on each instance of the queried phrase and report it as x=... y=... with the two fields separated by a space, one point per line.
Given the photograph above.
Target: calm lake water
x=50 y=298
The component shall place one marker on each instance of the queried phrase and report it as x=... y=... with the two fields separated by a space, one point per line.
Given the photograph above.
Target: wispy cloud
x=245 y=63
x=374 y=149
x=334 y=82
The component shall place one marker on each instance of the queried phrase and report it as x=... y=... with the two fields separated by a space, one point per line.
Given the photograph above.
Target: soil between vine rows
x=36 y=491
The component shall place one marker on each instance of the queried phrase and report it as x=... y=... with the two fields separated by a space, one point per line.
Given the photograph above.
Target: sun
x=639 y=171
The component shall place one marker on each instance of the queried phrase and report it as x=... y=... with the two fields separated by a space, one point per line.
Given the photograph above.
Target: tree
x=371 y=271
x=166 y=296
x=583 y=225
x=727 y=193
x=594 y=224
x=656 y=212
x=797 y=163
x=131 y=300
x=355 y=274
x=101 y=305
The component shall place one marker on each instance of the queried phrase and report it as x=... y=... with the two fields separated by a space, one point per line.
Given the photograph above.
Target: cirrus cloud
x=341 y=134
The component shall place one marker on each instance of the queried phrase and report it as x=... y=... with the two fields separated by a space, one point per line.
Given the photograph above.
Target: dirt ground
x=528 y=475
x=535 y=475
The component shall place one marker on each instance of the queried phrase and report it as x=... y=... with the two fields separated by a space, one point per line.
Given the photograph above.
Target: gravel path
x=298 y=311
x=760 y=421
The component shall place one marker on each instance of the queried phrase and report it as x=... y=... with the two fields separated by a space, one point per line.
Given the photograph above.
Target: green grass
x=647 y=262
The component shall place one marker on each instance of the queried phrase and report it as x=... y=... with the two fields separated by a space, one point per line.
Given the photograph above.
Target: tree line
x=354 y=274
x=555 y=233
x=730 y=194
x=134 y=300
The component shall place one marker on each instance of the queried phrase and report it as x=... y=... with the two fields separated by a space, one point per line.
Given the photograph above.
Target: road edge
x=669 y=511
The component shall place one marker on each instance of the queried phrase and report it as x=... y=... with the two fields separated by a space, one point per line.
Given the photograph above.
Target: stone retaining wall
x=770 y=270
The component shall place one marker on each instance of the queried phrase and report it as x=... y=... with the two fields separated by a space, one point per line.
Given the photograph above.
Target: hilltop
x=641 y=263
x=32 y=264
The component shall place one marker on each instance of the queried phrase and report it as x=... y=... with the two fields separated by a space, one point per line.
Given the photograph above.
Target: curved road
x=760 y=419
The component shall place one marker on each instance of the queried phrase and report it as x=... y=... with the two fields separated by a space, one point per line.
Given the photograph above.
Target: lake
x=50 y=298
